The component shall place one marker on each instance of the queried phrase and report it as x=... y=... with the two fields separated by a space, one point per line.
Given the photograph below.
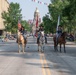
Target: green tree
x=70 y=12
x=48 y=24
x=55 y=10
x=11 y=17
x=26 y=25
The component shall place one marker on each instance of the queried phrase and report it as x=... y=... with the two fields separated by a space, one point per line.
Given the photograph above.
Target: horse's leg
x=19 y=48
x=42 y=48
x=60 y=47
x=23 y=47
x=64 y=48
x=25 y=44
x=38 y=47
x=54 y=46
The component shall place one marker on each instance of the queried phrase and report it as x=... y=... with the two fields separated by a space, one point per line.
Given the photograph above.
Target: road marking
x=45 y=67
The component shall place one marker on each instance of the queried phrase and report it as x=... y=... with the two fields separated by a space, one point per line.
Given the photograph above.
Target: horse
x=21 y=41
x=61 y=40
x=41 y=41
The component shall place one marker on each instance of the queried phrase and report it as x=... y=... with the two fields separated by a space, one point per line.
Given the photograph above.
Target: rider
x=59 y=32
x=41 y=29
x=23 y=32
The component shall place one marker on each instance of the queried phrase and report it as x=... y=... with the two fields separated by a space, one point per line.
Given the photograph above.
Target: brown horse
x=21 y=41
x=61 y=40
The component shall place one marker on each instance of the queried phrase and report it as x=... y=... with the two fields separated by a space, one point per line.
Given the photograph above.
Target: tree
x=48 y=27
x=70 y=12
x=26 y=25
x=11 y=17
x=56 y=9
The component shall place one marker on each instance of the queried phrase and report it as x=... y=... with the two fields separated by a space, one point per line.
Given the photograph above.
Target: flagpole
x=58 y=23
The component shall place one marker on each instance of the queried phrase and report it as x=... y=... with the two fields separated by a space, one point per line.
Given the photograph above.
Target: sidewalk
x=70 y=43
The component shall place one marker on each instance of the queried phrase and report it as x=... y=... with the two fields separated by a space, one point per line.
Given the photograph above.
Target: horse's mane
x=63 y=34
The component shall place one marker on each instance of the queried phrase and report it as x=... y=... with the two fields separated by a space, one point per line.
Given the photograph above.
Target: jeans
x=24 y=36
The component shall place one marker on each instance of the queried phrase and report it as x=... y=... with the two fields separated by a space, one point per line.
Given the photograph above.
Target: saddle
x=25 y=38
x=57 y=37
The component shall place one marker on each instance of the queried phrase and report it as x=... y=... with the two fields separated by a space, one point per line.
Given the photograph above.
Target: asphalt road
x=33 y=62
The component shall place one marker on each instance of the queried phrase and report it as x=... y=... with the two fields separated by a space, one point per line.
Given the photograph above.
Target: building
x=3 y=7
x=36 y=17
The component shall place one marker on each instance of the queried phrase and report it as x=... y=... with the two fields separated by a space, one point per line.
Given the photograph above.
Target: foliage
x=26 y=25
x=55 y=9
x=48 y=24
x=11 y=18
x=70 y=12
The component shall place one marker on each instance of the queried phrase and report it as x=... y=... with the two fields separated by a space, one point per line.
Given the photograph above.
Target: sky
x=28 y=7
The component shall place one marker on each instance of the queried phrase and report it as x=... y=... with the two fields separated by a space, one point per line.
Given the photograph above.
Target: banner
x=40 y=2
x=19 y=24
x=37 y=22
x=58 y=23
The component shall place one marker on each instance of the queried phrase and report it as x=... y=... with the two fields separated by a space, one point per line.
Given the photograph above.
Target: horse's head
x=64 y=34
x=19 y=34
x=42 y=33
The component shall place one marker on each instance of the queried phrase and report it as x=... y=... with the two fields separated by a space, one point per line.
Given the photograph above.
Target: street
x=33 y=62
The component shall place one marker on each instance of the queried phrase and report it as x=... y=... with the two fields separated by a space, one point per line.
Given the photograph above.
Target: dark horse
x=61 y=40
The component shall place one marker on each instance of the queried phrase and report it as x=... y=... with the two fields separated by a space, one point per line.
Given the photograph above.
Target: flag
x=58 y=23
x=37 y=22
x=19 y=24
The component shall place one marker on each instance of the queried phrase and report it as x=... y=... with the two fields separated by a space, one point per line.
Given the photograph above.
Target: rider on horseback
x=59 y=32
x=23 y=32
x=40 y=29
